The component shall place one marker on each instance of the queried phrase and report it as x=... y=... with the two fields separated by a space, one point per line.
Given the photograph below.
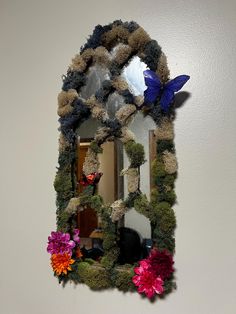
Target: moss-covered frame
x=73 y=110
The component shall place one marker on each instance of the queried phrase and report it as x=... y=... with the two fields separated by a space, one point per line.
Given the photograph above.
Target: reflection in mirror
x=110 y=186
x=96 y=75
x=133 y=74
x=133 y=219
x=114 y=103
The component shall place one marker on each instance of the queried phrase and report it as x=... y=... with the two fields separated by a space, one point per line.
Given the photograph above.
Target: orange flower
x=78 y=253
x=61 y=263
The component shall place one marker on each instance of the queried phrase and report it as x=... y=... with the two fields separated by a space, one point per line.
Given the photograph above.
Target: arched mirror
x=117 y=165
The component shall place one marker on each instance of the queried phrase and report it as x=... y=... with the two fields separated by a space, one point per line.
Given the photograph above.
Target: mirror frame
x=73 y=111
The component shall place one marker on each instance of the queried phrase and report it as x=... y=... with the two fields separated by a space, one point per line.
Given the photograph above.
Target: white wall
x=38 y=38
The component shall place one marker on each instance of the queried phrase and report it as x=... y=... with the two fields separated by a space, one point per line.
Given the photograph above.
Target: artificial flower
x=76 y=237
x=161 y=263
x=59 y=243
x=146 y=281
x=78 y=253
x=61 y=263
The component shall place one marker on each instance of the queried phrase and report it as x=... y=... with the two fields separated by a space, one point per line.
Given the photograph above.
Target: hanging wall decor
x=117 y=165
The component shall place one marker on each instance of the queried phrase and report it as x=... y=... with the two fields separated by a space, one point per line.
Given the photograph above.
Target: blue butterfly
x=165 y=92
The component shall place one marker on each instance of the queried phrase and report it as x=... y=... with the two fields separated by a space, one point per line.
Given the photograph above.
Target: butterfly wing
x=170 y=89
x=177 y=83
x=153 y=84
x=166 y=99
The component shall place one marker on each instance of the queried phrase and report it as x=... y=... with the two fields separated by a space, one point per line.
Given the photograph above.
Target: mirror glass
x=112 y=186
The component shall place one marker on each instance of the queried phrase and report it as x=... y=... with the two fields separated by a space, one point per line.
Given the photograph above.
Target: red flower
x=146 y=280
x=161 y=263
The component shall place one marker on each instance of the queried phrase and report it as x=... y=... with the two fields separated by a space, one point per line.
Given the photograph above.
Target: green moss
x=123 y=278
x=95 y=276
x=135 y=153
x=129 y=201
x=63 y=187
x=164 y=196
x=90 y=261
x=96 y=202
x=164 y=242
x=96 y=148
x=109 y=259
x=169 y=180
x=163 y=145
x=67 y=157
x=142 y=205
x=158 y=169
x=164 y=218
x=109 y=241
x=63 y=224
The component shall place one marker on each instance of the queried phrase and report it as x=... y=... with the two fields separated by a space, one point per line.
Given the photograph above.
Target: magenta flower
x=60 y=243
x=146 y=281
x=76 y=237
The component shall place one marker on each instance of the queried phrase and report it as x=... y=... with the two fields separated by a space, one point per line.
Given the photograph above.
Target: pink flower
x=146 y=281
x=76 y=237
x=60 y=243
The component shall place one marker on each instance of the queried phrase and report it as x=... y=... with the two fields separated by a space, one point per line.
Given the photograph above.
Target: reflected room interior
x=112 y=186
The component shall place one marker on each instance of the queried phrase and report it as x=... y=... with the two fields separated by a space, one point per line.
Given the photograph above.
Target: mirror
x=117 y=165
x=112 y=185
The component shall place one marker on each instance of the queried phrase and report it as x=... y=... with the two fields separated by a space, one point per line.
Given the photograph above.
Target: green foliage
x=135 y=153
x=96 y=148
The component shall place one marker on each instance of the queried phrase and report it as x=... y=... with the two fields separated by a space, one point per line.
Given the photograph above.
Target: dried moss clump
x=87 y=54
x=162 y=69
x=118 y=210
x=135 y=153
x=78 y=64
x=138 y=39
x=91 y=163
x=132 y=179
x=125 y=114
x=120 y=84
x=122 y=54
x=126 y=135
x=101 y=56
x=115 y=35
x=65 y=100
x=170 y=162
x=165 y=131
x=73 y=205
